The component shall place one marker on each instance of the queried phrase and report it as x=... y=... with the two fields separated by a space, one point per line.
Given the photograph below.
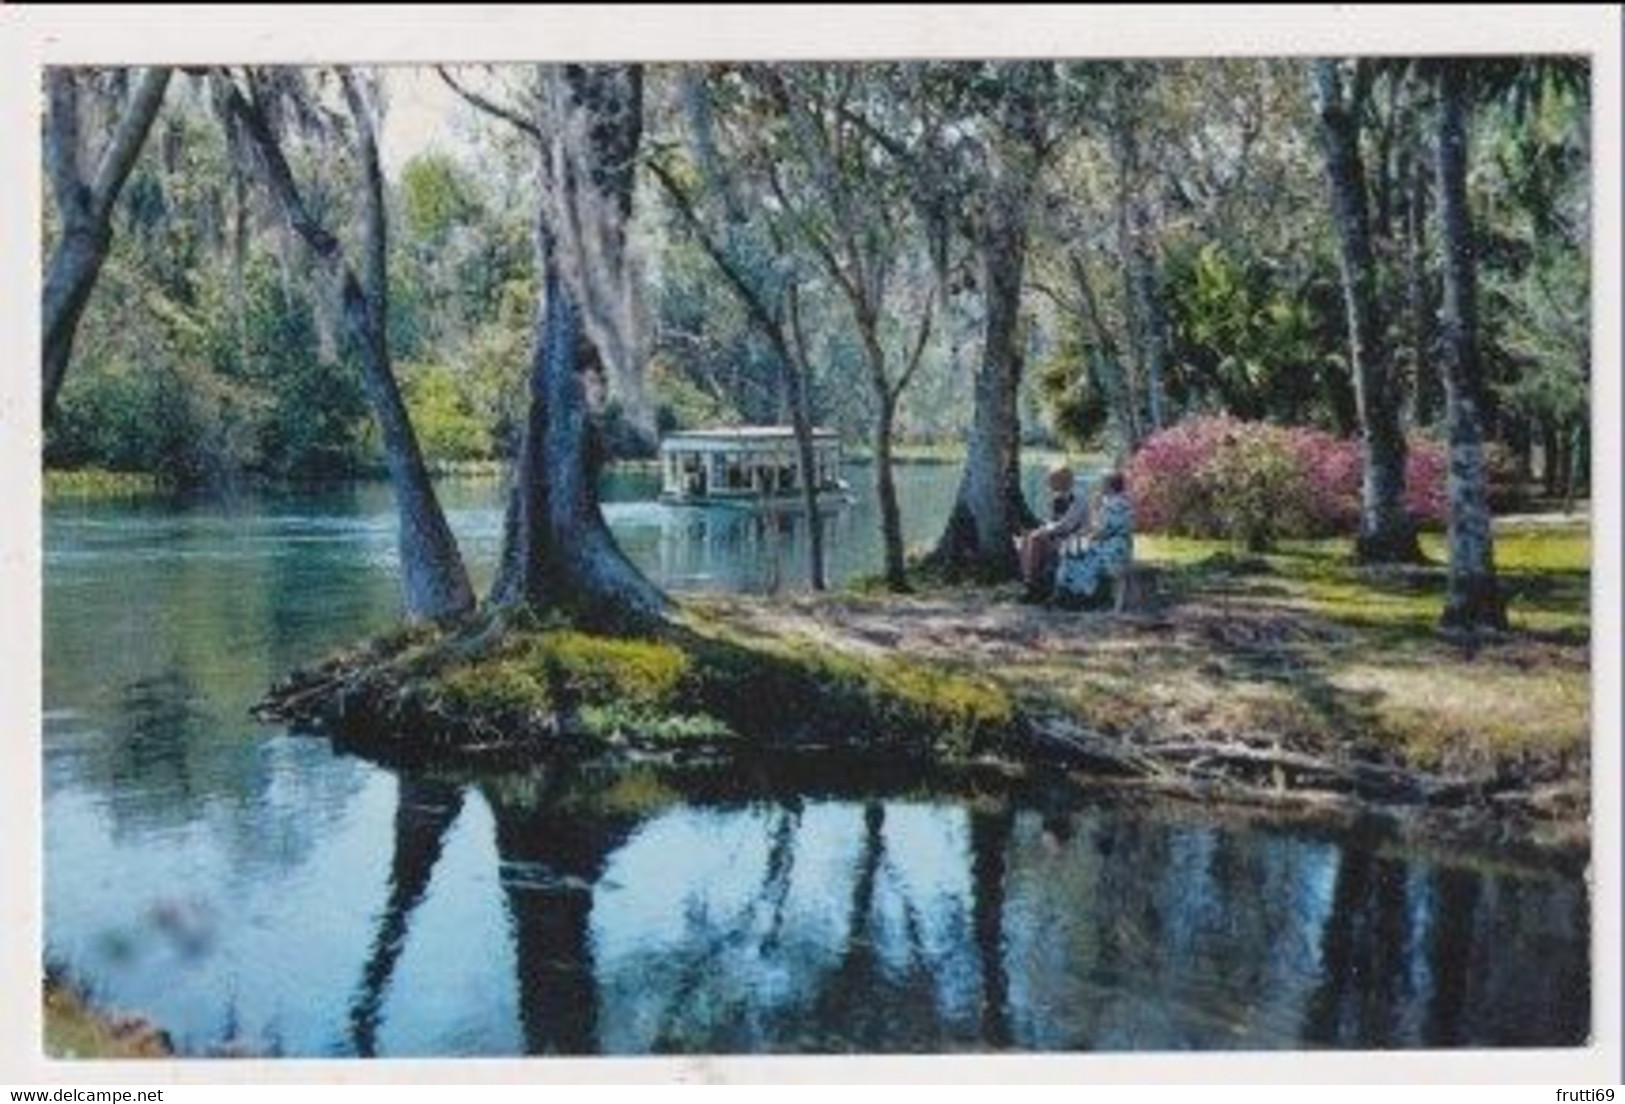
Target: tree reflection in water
x=800 y=924
x=424 y=812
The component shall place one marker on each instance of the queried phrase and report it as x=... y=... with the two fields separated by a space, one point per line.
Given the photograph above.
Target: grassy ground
x=96 y=483
x=1290 y=677
x=1260 y=668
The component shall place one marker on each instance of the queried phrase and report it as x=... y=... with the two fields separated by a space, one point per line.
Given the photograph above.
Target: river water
x=252 y=891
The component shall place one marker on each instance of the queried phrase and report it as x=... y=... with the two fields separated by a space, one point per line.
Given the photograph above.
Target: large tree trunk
x=989 y=509
x=558 y=550
x=1473 y=600
x=1387 y=533
x=85 y=209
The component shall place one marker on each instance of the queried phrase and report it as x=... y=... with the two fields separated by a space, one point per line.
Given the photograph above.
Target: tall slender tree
x=1127 y=85
x=84 y=205
x=1473 y=600
x=751 y=260
x=851 y=216
x=1387 y=533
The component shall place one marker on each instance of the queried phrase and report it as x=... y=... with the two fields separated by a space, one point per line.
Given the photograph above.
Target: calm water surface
x=249 y=889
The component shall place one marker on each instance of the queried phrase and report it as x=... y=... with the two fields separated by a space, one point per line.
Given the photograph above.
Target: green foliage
x=444 y=413
x=1247 y=342
x=502 y=692
x=792 y=690
x=199 y=366
x=191 y=367
x=436 y=197
x=1536 y=270
x=680 y=403
x=314 y=426
x=1071 y=389
x=96 y=483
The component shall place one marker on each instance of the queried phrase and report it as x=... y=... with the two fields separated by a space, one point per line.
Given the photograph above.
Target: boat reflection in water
x=731 y=508
x=744 y=551
x=752 y=466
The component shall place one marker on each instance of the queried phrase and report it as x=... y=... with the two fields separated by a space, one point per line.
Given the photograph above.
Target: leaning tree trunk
x=1387 y=533
x=433 y=580
x=85 y=208
x=1473 y=600
x=989 y=509
x=432 y=572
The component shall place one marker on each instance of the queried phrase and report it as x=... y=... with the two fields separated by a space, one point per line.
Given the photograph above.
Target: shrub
x=1255 y=483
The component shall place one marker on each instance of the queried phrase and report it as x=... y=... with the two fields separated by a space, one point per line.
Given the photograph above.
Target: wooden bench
x=1134 y=589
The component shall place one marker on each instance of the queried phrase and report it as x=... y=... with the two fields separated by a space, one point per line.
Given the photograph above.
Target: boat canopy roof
x=741 y=438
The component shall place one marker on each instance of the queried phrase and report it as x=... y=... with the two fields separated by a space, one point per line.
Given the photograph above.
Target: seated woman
x=1037 y=549
x=1084 y=579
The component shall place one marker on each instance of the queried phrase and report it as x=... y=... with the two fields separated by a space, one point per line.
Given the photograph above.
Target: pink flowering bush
x=1255 y=482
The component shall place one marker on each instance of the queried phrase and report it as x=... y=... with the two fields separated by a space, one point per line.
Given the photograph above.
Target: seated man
x=1037 y=549
x=1084 y=580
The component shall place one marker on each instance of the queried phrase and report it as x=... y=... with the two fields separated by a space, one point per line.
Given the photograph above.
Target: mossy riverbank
x=75 y=1028
x=1293 y=681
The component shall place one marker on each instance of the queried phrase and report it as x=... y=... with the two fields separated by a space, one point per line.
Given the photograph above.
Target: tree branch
x=491 y=107
x=279 y=177
x=125 y=146
x=748 y=296
x=917 y=353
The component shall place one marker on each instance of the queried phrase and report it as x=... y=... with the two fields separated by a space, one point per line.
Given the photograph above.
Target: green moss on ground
x=699 y=683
